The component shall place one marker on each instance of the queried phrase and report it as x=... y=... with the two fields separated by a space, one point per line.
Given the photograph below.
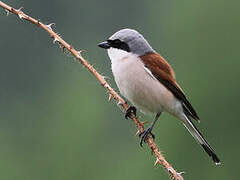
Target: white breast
x=139 y=86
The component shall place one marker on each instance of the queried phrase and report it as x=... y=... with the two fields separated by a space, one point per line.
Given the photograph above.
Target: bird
x=148 y=81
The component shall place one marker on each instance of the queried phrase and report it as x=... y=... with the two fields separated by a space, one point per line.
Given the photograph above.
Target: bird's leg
x=148 y=131
x=129 y=111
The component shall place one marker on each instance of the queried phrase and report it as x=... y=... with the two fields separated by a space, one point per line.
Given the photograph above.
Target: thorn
x=119 y=103
x=7 y=11
x=181 y=173
x=19 y=9
x=63 y=49
x=137 y=133
x=156 y=162
x=110 y=97
x=170 y=170
x=55 y=40
x=104 y=77
x=20 y=12
x=80 y=51
x=171 y=173
x=49 y=26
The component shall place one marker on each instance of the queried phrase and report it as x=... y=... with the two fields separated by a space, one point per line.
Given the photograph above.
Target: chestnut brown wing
x=163 y=72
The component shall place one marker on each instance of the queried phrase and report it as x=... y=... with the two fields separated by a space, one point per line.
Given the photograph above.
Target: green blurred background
x=55 y=121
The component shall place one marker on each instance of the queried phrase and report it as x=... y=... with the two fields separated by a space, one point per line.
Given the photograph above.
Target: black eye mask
x=116 y=43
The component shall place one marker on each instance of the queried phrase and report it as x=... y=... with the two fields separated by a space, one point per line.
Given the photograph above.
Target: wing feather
x=164 y=73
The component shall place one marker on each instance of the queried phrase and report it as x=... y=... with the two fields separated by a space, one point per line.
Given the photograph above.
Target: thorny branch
x=112 y=94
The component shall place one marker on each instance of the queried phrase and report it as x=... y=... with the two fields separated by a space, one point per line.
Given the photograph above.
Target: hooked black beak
x=104 y=45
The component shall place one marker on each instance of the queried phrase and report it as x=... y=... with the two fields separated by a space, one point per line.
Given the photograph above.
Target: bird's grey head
x=128 y=40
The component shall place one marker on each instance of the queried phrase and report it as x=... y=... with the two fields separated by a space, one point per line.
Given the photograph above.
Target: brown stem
x=112 y=94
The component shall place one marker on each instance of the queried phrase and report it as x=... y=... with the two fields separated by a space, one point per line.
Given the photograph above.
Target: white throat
x=117 y=54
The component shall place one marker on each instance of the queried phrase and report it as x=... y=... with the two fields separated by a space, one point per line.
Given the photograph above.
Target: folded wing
x=163 y=72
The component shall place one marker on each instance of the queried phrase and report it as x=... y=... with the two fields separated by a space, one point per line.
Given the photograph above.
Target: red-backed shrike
x=146 y=79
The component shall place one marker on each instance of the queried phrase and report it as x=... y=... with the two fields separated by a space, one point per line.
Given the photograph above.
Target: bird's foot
x=145 y=134
x=129 y=111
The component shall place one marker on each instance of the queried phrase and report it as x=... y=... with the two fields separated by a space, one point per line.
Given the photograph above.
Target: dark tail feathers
x=200 y=139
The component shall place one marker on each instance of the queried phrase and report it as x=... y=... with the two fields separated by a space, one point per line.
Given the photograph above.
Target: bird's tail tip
x=212 y=154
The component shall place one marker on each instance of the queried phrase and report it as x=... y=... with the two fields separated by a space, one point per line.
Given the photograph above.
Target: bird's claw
x=145 y=134
x=129 y=111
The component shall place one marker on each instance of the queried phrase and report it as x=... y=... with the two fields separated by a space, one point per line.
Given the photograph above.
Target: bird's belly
x=141 y=89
